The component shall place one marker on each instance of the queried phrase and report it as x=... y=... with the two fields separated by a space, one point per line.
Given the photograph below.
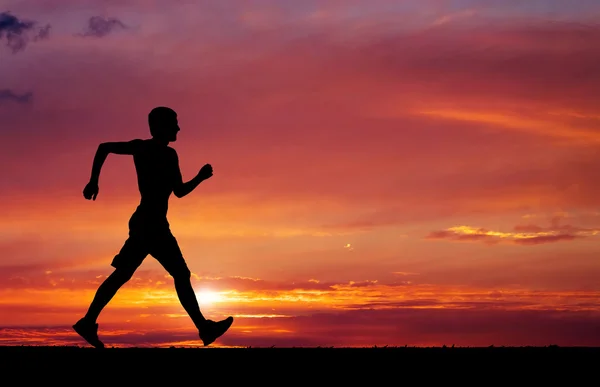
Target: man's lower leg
x=208 y=330
x=106 y=291
x=188 y=300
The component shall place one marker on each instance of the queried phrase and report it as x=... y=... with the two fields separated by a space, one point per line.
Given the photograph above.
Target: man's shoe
x=89 y=331
x=211 y=330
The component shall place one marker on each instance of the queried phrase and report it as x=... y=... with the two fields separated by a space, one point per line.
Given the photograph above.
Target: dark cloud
x=100 y=27
x=7 y=95
x=538 y=240
x=555 y=226
x=18 y=32
x=43 y=33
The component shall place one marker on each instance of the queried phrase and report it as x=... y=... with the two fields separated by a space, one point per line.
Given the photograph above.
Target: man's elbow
x=104 y=148
x=178 y=192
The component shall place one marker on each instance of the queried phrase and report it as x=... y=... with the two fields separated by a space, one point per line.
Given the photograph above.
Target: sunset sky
x=386 y=172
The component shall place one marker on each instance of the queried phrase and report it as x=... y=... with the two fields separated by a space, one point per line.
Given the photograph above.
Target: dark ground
x=286 y=366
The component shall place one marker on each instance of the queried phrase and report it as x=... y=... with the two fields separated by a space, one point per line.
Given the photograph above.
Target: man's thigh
x=131 y=255
x=166 y=251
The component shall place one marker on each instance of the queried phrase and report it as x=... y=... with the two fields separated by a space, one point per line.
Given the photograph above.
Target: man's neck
x=159 y=141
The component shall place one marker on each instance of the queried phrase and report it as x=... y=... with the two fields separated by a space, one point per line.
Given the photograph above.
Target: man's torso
x=155 y=166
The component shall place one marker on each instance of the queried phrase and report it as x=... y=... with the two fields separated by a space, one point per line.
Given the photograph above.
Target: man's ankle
x=88 y=320
x=201 y=324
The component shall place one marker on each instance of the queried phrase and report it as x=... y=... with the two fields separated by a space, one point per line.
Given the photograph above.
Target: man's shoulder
x=137 y=142
x=172 y=151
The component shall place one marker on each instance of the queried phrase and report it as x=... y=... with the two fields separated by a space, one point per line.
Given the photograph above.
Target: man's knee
x=180 y=273
x=123 y=274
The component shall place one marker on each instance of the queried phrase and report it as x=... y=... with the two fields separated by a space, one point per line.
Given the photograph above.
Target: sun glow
x=208 y=297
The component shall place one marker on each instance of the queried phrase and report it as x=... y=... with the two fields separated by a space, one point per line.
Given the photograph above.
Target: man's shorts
x=161 y=244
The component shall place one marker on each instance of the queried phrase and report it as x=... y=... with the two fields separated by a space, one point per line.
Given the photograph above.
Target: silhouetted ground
x=283 y=366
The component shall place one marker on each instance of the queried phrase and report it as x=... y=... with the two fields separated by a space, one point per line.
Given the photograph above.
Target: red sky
x=384 y=174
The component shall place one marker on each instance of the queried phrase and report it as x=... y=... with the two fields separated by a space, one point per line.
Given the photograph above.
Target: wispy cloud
x=18 y=32
x=528 y=234
x=454 y=17
x=7 y=95
x=100 y=26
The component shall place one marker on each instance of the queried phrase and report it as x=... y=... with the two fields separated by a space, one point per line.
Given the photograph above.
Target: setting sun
x=206 y=297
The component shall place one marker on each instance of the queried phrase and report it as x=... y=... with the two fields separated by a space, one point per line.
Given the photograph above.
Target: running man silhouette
x=158 y=175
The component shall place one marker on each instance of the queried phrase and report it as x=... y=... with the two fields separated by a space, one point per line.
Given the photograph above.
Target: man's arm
x=181 y=189
x=120 y=148
x=104 y=149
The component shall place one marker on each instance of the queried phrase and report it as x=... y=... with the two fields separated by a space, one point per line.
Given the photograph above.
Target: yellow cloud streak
x=276 y=303
x=563 y=131
x=467 y=230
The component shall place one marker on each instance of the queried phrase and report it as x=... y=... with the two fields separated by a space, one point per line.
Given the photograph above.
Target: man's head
x=163 y=123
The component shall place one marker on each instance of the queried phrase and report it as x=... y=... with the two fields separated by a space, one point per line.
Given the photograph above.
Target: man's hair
x=158 y=117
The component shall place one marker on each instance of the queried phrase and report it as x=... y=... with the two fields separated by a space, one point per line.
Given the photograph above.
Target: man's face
x=171 y=129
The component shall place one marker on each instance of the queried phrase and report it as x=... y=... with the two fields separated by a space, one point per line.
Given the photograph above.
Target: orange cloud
x=301 y=314
x=529 y=234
